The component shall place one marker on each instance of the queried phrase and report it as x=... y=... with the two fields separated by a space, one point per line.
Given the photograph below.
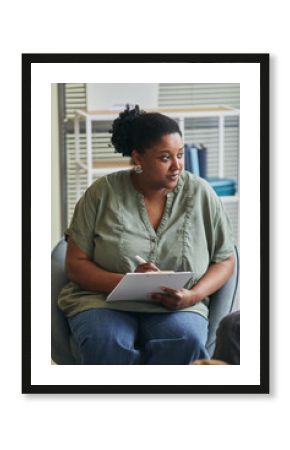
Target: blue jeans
x=106 y=336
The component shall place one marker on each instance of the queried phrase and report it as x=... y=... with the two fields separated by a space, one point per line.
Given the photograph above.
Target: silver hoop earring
x=138 y=168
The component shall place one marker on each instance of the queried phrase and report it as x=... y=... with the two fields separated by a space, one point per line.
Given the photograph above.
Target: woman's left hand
x=175 y=299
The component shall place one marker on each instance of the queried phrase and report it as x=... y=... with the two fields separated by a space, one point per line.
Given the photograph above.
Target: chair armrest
x=60 y=331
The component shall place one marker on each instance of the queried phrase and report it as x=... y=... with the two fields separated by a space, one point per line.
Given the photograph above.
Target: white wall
x=55 y=170
x=108 y=95
x=220 y=422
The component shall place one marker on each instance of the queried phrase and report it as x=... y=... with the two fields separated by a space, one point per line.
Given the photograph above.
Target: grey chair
x=64 y=349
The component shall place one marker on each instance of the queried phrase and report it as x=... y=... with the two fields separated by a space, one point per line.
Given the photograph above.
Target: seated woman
x=169 y=217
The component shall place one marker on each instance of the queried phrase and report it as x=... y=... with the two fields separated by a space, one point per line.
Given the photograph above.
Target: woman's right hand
x=146 y=267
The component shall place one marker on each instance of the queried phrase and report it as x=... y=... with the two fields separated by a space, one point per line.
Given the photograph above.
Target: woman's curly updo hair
x=138 y=130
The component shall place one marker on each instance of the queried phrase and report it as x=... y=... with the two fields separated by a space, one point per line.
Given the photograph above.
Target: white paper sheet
x=139 y=286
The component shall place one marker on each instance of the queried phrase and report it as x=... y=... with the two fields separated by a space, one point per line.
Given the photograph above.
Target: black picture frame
x=242 y=58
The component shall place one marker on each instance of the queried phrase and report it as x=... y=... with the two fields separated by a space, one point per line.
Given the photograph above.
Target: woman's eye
x=165 y=158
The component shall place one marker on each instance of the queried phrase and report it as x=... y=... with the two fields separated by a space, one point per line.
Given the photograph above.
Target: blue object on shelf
x=195 y=159
x=223 y=186
x=202 y=158
x=186 y=158
x=191 y=159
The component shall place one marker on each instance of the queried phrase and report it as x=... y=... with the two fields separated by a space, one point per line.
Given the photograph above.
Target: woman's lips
x=173 y=177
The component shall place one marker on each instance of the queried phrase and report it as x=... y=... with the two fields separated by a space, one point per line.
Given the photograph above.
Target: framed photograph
x=221 y=105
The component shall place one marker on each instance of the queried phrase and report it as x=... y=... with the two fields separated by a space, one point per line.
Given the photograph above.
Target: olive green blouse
x=110 y=224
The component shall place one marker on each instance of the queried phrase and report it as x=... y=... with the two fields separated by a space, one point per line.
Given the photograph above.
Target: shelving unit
x=103 y=167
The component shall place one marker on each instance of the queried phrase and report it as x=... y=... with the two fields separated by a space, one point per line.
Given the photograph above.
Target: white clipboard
x=139 y=286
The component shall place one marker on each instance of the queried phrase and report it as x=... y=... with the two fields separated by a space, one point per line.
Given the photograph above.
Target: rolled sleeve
x=82 y=226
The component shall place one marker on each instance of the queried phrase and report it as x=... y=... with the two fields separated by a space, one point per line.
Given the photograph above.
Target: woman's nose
x=176 y=164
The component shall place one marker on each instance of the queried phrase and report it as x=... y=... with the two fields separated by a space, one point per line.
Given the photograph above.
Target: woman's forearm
x=90 y=277
x=214 y=278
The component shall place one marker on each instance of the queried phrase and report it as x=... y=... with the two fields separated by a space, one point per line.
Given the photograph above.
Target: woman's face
x=162 y=163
